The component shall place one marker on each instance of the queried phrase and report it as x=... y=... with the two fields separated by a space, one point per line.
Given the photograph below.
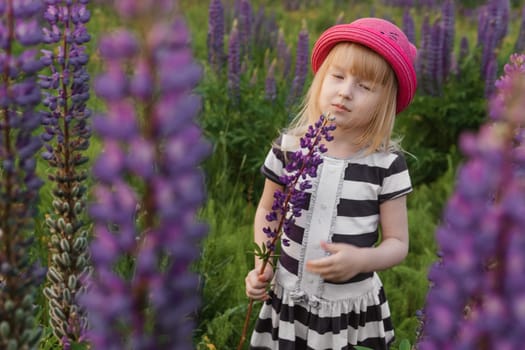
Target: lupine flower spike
x=283 y=55
x=66 y=137
x=216 y=35
x=301 y=66
x=288 y=203
x=234 y=63
x=19 y=183
x=477 y=287
x=150 y=185
x=270 y=86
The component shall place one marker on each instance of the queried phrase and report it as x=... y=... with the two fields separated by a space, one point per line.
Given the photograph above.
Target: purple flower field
x=131 y=138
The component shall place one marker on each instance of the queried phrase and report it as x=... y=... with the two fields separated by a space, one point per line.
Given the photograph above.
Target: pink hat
x=384 y=38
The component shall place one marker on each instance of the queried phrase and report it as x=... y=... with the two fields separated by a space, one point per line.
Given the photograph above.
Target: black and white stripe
x=284 y=324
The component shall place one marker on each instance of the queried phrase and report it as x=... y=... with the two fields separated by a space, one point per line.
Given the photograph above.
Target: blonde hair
x=370 y=66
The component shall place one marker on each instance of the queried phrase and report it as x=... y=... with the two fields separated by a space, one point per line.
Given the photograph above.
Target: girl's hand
x=256 y=283
x=344 y=262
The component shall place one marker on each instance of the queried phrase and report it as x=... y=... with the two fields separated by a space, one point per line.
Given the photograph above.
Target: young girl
x=325 y=293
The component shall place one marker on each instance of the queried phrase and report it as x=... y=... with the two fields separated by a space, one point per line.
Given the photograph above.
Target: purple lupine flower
x=237 y=8
x=234 y=63
x=497 y=103
x=482 y=25
x=271 y=29
x=301 y=66
x=66 y=137
x=19 y=183
x=424 y=71
x=463 y=49
x=438 y=36
x=427 y=3
x=259 y=35
x=462 y=55
x=519 y=46
x=289 y=202
x=454 y=67
x=502 y=17
x=447 y=23
x=264 y=29
x=258 y=23
x=270 y=86
x=216 y=34
x=245 y=23
x=434 y=65
x=283 y=55
x=131 y=9
x=149 y=189
x=292 y=5
x=491 y=74
x=494 y=20
x=409 y=26
x=489 y=42
x=477 y=285
x=435 y=54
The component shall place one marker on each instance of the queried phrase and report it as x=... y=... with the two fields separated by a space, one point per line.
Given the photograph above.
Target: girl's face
x=351 y=99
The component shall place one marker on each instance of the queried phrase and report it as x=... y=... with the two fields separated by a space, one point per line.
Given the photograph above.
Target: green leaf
x=404 y=345
x=257 y=249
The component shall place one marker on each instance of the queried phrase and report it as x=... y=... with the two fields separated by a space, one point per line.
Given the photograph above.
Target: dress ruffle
x=291 y=320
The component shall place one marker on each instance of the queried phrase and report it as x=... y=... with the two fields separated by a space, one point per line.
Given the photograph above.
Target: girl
x=325 y=293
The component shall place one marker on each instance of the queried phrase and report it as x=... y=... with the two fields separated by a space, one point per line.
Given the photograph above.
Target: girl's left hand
x=344 y=262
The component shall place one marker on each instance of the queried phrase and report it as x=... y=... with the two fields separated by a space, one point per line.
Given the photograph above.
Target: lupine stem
x=7 y=134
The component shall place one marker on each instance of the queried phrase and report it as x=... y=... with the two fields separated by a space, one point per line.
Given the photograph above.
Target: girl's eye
x=365 y=86
x=337 y=76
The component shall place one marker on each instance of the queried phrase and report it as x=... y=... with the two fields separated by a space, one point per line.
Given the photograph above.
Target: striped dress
x=305 y=311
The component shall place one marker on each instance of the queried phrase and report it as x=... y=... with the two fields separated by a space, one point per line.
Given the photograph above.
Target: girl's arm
x=255 y=282
x=393 y=248
x=345 y=261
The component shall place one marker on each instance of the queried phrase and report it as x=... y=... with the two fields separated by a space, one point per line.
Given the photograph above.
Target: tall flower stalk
x=234 y=63
x=150 y=187
x=66 y=137
x=492 y=28
x=409 y=26
x=284 y=57
x=270 y=85
x=436 y=56
x=19 y=183
x=288 y=203
x=301 y=66
x=216 y=35
x=477 y=287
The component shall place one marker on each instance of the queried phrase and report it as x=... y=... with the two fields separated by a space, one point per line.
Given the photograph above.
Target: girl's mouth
x=341 y=107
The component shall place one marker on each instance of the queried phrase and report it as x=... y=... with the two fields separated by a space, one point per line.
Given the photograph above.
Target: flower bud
x=5 y=329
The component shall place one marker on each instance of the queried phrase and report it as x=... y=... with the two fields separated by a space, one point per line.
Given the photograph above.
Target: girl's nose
x=346 y=91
